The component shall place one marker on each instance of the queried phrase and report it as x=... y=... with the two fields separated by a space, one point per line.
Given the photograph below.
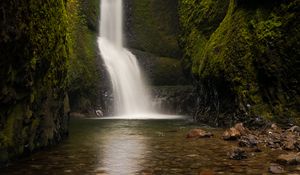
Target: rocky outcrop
x=161 y=71
x=151 y=33
x=244 y=58
x=174 y=99
x=33 y=69
x=270 y=136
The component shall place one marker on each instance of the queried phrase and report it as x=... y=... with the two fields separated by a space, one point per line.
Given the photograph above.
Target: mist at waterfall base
x=132 y=99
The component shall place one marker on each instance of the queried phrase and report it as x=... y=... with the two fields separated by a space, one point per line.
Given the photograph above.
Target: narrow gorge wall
x=33 y=68
x=86 y=71
x=49 y=59
x=244 y=57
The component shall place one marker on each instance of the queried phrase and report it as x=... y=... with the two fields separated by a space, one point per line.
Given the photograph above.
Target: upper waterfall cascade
x=129 y=90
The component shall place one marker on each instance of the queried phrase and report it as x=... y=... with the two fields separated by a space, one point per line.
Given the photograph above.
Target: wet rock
x=294 y=129
x=249 y=141
x=275 y=128
x=198 y=133
x=235 y=132
x=231 y=134
x=273 y=137
x=289 y=144
x=289 y=159
x=240 y=127
x=99 y=113
x=237 y=154
x=276 y=169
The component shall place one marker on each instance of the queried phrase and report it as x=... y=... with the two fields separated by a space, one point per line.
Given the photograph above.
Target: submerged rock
x=276 y=169
x=198 y=133
x=249 y=141
x=237 y=154
x=207 y=172
x=289 y=159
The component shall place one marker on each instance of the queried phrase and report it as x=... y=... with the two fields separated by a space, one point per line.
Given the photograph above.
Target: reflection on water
x=123 y=150
x=128 y=147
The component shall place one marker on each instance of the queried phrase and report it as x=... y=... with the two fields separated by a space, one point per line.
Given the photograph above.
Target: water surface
x=118 y=147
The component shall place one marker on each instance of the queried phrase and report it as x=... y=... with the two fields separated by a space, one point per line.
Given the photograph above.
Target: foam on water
x=146 y=116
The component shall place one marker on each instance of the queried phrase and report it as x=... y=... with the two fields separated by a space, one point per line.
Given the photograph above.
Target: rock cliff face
x=151 y=32
x=33 y=56
x=244 y=58
x=152 y=26
x=86 y=71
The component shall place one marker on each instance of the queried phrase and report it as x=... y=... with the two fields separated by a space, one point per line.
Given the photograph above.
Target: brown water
x=118 y=147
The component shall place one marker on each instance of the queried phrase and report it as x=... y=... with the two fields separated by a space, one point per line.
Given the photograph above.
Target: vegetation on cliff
x=151 y=31
x=34 y=54
x=83 y=72
x=48 y=50
x=152 y=26
x=244 y=55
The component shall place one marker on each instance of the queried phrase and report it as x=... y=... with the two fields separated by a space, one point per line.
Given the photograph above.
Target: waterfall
x=129 y=90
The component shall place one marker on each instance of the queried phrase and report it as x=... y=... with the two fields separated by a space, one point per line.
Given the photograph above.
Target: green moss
x=154 y=27
x=3 y=155
x=10 y=130
x=34 y=42
x=83 y=74
x=251 y=50
x=198 y=20
x=167 y=71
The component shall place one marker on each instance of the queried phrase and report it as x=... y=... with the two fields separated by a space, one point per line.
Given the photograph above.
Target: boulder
x=240 y=127
x=231 y=134
x=235 y=132
x=198 y=133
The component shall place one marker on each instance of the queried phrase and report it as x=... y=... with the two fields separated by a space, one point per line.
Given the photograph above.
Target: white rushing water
x=129 y=90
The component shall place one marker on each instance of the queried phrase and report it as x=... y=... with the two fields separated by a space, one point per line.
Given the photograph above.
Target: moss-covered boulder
x=33 y=68
x=244 y=56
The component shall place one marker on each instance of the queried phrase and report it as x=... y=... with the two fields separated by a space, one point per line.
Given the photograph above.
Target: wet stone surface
x=145 y=147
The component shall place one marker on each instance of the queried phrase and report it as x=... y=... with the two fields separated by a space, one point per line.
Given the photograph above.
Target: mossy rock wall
x=33 y=67
x=152 y=26
x=85 y=69
x=151 y=30
x=244 y=57
x=161 y=71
